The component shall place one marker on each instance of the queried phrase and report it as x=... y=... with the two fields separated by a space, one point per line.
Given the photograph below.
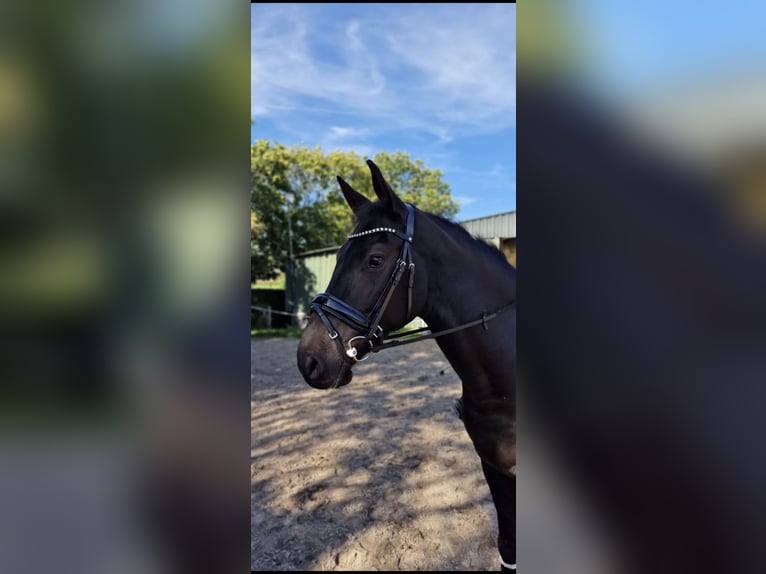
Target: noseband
x=326 y=304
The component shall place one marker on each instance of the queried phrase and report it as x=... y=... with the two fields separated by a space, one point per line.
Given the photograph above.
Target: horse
x=465 y=291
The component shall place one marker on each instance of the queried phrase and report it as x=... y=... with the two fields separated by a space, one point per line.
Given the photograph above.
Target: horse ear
x=384 y=192
x=354 y=199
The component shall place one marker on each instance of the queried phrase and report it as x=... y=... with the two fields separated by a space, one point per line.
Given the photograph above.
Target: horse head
x=372 y=290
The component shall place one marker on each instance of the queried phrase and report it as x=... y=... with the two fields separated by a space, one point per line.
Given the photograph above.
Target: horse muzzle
x=321 y=365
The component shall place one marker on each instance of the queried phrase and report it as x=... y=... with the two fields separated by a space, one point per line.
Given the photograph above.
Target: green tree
x=296 y=188
x=269 y=185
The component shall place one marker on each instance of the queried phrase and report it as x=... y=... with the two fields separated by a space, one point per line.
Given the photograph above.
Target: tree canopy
x=301 y=182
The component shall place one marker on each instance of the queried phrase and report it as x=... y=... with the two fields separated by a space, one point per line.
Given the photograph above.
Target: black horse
x=401 y=263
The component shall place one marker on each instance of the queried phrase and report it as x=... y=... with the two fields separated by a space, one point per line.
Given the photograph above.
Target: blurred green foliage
x=121 y=172
x=282 y=333
x=123 y=290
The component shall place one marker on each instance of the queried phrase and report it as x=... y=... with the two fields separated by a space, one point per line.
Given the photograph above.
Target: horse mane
x=465 y=236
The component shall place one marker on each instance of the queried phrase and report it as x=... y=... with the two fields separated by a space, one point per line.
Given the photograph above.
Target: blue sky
x=437 y=81
x=632 y=48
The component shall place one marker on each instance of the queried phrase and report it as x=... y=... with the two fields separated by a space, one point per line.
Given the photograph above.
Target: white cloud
x=464 y=200
x=496 y=172
x=341 y=133
x=285 y=67
x=465 y=59
x=446 y=69
x=348 y=139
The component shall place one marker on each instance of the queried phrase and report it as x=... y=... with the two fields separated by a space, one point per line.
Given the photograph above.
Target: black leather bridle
x=326 y=304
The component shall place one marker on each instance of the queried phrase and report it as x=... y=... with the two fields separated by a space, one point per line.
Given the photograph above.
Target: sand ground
x=376 y=475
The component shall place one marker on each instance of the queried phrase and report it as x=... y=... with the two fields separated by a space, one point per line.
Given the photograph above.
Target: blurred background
x=124 y=172
x=640 y=177
x=124 y=369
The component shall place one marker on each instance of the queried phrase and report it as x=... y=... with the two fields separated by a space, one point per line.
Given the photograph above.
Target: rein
x=393 y=342
x=326 y=304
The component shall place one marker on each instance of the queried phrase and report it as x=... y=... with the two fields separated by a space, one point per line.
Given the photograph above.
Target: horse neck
x=466 y=280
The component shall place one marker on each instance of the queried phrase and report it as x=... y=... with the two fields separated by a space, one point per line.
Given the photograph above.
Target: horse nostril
x=312 y=367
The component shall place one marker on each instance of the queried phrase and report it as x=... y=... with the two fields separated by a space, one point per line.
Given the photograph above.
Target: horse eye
x=375 y=260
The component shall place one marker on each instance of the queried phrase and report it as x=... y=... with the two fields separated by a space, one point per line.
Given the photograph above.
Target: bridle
x=326 y=304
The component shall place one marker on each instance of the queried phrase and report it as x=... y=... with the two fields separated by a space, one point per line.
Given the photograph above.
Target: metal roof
x=491 y=226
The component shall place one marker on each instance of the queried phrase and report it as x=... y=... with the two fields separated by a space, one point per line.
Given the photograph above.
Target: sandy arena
x=377 y=475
